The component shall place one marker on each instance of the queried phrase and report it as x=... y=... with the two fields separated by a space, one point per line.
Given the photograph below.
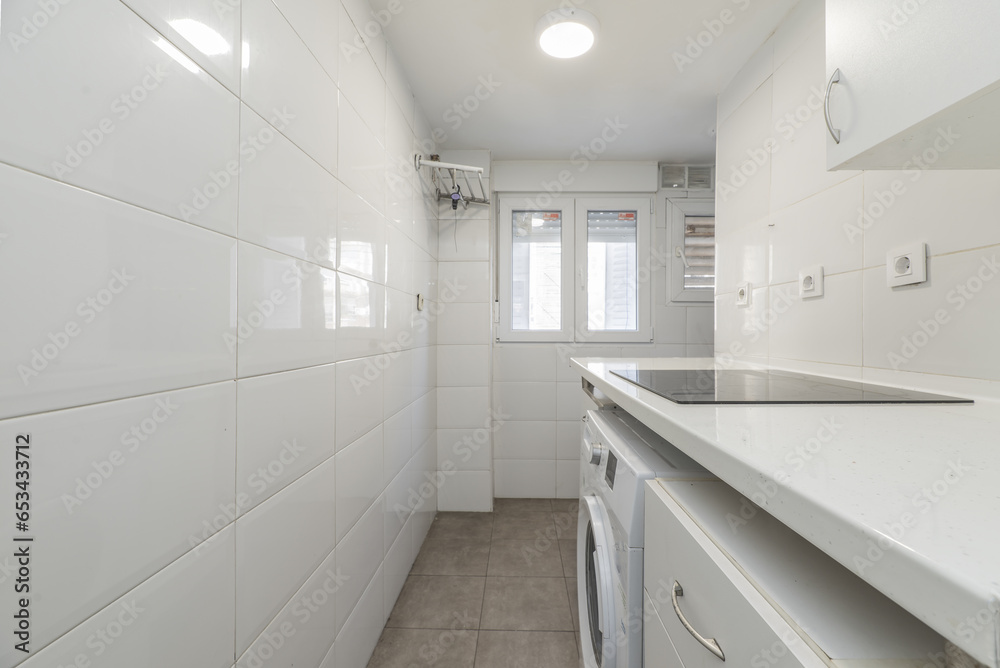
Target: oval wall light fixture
x=567 y=33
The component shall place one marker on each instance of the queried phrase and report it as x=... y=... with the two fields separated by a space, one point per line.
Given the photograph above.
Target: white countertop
x=906 y=497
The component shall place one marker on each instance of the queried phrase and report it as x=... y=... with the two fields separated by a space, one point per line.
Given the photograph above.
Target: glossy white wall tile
x=397 y=445
x=315 y=22
x=362 y=315
x=399 y=87
x=399 y=384
x=284 y=83
x=464 y=324
x=207 y=33
x=267 y=571
x=464 y=240
x=362 y=158
x=743 y=157
x=931 y=335
x=464 y=449
x=124 y=488
x=463 y=407
x=359 y=479
x=525 y=478
x=361 y=238
x=118 y=121
x=288 y=201
x=124 y=634
x=399 y=557
x=825 y=329
x=207 y=249
x=526 y=401
x=463 y=366
x=946 y=326
x=524 y=362
x=358 y=558
x=285 y=427
x=814 y=231
x=359 y=398
x=360 y=80
x=742 y=254
x=947 y=210
x=301 y=633
x=468 y=491
x=568 y=479
x=104 y=309
x=527 y=440
x=356 y=641
x=568 y=439
x=287 y=314
x=469 y=281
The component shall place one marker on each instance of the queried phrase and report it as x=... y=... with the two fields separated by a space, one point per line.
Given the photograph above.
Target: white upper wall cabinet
x=919 y=84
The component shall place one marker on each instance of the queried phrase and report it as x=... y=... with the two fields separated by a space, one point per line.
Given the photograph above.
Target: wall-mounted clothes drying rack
x=445 y=173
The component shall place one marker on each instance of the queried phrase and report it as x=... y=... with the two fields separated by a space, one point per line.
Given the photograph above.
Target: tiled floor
x=490 y=590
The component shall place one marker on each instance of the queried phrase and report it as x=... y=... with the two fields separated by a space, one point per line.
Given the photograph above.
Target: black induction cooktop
x=732 y=386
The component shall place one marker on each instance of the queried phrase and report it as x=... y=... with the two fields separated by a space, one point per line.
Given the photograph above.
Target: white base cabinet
x=919 y=84
x=727 y=584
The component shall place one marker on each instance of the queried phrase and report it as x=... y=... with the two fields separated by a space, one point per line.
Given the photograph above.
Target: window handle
x=679 y=252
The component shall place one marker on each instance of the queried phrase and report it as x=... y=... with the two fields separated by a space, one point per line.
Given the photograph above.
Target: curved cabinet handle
x=708 y=643
x=826 y=106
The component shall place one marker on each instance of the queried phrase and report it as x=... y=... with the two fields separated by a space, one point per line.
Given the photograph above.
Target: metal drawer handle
x=708 y=643
x=826 y=106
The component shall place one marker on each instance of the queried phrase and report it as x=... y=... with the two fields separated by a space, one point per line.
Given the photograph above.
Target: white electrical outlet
x=743 y=295
x=906 y=265
x=811 y=282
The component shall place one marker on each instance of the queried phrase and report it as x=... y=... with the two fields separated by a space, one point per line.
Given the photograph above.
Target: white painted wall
x=210 y=331
x=785 y=212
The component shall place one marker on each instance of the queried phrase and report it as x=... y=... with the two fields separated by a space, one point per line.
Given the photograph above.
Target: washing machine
x=618 y=455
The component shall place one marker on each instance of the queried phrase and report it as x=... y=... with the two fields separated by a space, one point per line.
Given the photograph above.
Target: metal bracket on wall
x=445 y=173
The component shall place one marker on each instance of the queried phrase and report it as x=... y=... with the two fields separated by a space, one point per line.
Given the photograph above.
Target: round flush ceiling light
x=567 y=33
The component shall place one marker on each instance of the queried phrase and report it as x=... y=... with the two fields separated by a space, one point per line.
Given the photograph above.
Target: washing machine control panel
x=611 y=469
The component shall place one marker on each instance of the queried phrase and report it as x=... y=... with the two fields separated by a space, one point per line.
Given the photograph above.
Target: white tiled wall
x=789 y=213
x=465 y=279
x=211 y=242
x=509 y=413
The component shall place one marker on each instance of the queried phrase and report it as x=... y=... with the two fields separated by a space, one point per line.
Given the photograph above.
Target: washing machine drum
x=595 y=585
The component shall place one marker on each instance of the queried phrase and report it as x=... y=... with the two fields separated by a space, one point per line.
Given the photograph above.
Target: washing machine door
x=595 y=584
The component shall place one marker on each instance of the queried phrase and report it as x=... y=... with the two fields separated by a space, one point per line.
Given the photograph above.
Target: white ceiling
x=545 y=108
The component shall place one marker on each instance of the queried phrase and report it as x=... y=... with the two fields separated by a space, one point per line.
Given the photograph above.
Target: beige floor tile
x=423 y=648
x=438 y=602
x=525 y=558
x=526 y=649
x=452 y=556
x=526 y=604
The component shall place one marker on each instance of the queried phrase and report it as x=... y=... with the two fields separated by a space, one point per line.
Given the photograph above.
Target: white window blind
x=699 y=253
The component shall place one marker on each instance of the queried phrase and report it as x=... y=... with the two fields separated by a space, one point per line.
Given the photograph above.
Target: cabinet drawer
x=657 y=650
x=717 y=601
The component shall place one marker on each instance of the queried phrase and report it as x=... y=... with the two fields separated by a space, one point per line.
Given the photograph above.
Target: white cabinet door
x=916 y=76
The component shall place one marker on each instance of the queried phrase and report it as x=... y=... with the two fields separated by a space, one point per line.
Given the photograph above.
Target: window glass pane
x=536 y=276
x=699 y=253
x=612 y=290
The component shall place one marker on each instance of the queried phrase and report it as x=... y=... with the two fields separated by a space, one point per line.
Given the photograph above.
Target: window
x=536 y=293
x=691 y=225
x=571 y=271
